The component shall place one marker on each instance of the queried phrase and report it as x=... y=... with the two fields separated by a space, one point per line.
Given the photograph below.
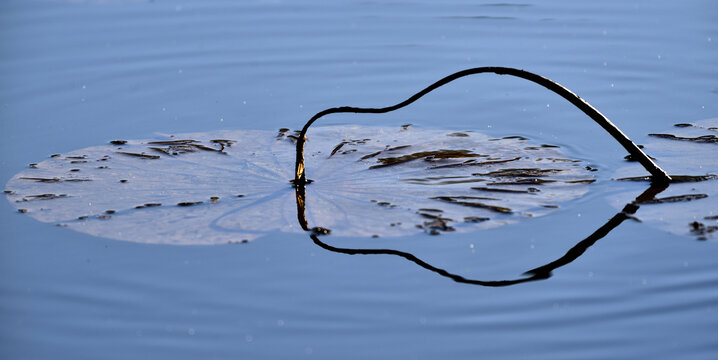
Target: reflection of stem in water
x=658 y=175
x=543 y=272
x=539 y=273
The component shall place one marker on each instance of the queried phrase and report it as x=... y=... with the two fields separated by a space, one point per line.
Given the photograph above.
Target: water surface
x=75 y=74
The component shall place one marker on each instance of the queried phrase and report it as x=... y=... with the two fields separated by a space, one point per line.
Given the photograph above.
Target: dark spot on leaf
x=387 y=204
x=173 y=142
x=672 y=199
x=148 y=205
x=165 y=151
x=709 y=139
x=529 y=190
x=436 y=154
x=223 y=143
x=398 y=147
x=43 y=197
x=189 y=203
x=630 y=157
x=586 y=181
x=457 y=201
x=336 y=148
x=433 y=216
x=436 y=225
x=142 y=156
x=207 y=148
x=475 y=219
x=370 y=155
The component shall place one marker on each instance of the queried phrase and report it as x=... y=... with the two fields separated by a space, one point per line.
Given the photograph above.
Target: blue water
x=79 y=73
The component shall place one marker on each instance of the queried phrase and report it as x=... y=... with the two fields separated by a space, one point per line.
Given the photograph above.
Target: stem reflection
x=539 y=273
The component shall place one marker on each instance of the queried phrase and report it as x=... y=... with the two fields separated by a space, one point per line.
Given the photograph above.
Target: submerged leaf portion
x=233 y=186
x=688 y=207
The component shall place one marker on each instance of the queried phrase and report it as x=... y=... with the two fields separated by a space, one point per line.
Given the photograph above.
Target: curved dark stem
x=539 y=273
x=422 y=263
x=658 y=175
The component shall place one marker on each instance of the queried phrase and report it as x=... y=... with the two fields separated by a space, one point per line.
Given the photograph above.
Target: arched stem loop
x=659 y=176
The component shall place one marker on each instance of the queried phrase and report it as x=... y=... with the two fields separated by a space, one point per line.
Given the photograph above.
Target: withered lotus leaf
x=689 y=206
x=233 y=186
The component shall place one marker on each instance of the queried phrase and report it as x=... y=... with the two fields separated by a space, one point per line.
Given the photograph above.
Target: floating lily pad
x=689 y=206
x=230 y=186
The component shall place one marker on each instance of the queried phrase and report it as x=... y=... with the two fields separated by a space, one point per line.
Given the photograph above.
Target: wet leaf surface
x=233 y=186
x=690 y=204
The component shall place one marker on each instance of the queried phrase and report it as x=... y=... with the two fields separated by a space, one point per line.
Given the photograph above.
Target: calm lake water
x=80 y=73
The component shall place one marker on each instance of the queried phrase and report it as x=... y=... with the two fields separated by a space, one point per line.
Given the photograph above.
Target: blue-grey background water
x=79 y=73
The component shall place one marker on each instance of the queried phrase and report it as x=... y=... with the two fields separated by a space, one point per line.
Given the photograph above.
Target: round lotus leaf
x=234 y=186
x=689 y=153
